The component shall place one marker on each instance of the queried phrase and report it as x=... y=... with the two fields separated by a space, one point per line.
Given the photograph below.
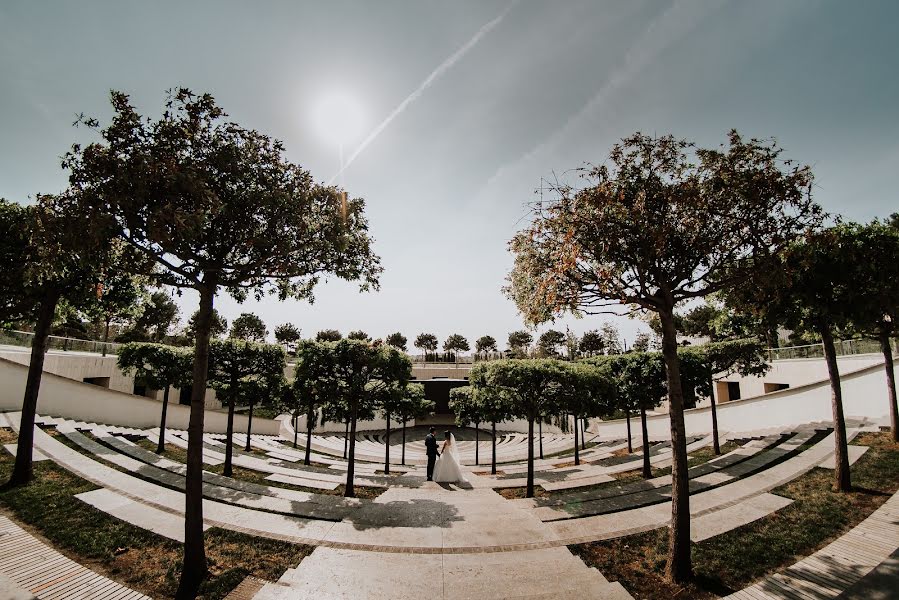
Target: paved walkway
x=44 y=572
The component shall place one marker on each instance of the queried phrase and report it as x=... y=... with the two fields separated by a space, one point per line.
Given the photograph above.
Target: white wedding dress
x=447 y=469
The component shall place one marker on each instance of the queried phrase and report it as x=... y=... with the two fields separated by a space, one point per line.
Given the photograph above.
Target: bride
x=447 y=469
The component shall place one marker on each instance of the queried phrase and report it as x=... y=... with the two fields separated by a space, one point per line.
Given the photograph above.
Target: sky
x=446 y=116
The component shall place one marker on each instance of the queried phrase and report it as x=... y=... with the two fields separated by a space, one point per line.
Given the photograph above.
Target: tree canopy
x=456 y=343
x=426 y=341
x=248 y=327
x=485 y=344
x=288 y=335
x=397 y=340
x=328 y=335
x=218 y=325
x=358 y=335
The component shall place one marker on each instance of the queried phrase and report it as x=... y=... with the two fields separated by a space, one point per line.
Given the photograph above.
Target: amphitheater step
x=536 y=574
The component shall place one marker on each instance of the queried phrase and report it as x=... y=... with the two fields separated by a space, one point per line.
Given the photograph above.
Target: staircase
x=332 y=574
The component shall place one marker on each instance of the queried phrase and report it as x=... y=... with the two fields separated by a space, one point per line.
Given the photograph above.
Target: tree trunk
x=647 y=468
x=477 y=441
x=349 y=492
x=310 y=425
x=105 y=335
x=540 y=425
x=842 y=480
x=891 y=382
x=630 y=445
x=493 y=444
x=387 y=448
x=296 y=422
x=194 y=565
x=160 y=445
x=403 y=462
x=715 y=442
x=583 y=434
x=346 y=437
x=24 y=448
x=249 y=428
x=679 y=567
x=577 y=455
x=530 y=490
x=227 y=470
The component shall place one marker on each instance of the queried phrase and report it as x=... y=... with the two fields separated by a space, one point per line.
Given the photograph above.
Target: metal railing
x=843 y=348
x=12 y=337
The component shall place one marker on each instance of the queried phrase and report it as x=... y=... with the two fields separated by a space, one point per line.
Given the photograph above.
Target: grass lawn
x=132 y=556
x=735 y=559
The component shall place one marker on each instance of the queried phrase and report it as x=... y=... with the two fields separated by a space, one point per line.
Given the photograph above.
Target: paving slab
x=140 y=515
x=855 y=453
x=731 y=517
x=36 y=455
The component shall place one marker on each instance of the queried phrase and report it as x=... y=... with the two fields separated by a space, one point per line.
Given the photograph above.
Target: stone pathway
x=36 y=568
x=830 y=571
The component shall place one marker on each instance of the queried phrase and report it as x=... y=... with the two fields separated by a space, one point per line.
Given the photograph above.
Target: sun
x=338 y=117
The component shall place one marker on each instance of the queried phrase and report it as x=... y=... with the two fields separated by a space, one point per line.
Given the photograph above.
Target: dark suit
x=431 y=448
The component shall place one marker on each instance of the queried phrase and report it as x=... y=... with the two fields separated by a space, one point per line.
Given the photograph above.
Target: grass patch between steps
x=731 y=561
x=128 y=554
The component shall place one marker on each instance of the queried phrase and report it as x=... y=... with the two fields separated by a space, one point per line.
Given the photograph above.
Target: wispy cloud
x=445 y=66
x=666 y=29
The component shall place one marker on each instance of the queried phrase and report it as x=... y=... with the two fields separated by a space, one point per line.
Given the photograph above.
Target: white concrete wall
x=864 y=395
x=79 y=365
x=800 y=371
x=63 y=397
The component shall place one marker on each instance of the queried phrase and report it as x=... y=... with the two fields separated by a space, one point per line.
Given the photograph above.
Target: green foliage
x=217 y=328
x=426 y=342
x=313 y=386
x=639 y=379
x=156 y=365
x=248 y=327
x=246 y=372
x=328 y=335
x=456 y=343
x=358 y=335
x=549 y=342
x=119 y=292
x=519 y=341
x=592 y=343
x=485 y=344
x=288 y=335
x=157 y=315
x=413 y=404
x=464 y=403
x=397 y=340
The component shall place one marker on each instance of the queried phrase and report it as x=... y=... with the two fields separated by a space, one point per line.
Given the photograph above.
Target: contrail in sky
x=435 y=74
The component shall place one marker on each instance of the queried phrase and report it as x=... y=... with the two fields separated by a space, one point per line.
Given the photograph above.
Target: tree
x=118 y=295
x=53 y=250
x=288 y=335
x=585 y=391
x=592 y=343
x=263 y=389
x=655 y=227
x=362 y=374
x=158 y=367
x=456 y=343
x=218 y=325
x=463 y=402
x=816 y=288
x=611 y=339
x=328 y=335
x=239 y=369
x=412 y=405
x=485 y=345
x=642 y=342
x=157 y=315
x=313 y=387
x=876 y=311
x=358 y=335
x=549 y=342
x=397 y=340
x=248 y=327
x=389 y=399
x=532 y=388
x=426 y=342
x=518 y=343
x=216 y=207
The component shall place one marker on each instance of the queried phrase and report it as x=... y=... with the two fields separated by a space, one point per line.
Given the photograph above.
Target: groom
x=431 y=448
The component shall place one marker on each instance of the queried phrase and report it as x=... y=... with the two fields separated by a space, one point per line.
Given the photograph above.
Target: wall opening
x=775 y=387
x=101 y=381
x=184 y=395
x=733 y=390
